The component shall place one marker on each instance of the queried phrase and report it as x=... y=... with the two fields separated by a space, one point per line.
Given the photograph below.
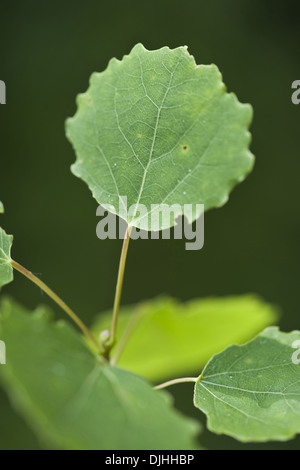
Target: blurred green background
x=48 y=51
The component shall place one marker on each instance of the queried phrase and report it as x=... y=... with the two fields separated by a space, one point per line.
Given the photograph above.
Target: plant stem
x=176 y=381
x=58 y=300
x=134 y=319
x=112 y=337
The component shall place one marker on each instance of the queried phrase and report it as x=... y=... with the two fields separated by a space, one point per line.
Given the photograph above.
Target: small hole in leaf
x=184 y=147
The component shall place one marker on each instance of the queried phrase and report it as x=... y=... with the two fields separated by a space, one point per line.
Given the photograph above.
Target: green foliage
x=165 y=338
x=252 y=392
x=159 y=129
x=75 y=402
x=6 y=271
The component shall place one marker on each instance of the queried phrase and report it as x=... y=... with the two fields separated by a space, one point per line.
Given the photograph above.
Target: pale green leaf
x=165 y=338
x=159 y=129
x=73 y=401
x=252 y=392
x=1 y=208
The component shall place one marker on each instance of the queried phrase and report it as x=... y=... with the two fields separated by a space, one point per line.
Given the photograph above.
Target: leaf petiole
x=57 y=300
x=176 y=381
x=109 y=343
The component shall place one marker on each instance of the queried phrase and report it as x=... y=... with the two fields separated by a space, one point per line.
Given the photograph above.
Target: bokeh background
x=47 y=52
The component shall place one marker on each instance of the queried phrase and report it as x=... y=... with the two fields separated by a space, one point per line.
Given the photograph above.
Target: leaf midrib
x=155 y=128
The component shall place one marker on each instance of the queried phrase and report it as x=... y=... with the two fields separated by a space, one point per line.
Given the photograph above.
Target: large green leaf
x=159 y=129
x=252 y=392
x=6 y=271
x=75 y=402
x=166 y=338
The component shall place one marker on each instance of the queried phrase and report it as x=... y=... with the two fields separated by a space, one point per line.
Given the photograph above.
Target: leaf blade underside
x=252 y=392
x=159 y=129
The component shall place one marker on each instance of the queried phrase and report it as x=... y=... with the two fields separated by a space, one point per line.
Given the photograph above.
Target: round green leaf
x=158 y=129
x=252 y=392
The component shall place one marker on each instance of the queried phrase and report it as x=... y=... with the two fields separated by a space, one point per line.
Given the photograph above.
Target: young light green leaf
x=1 y=208
x=165 y=338
x=73 y=401
x=252 y=392
x=6 y=270
x=159 y=129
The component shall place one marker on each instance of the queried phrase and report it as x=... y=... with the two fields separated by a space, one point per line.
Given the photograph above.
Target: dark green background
x=47 y=52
